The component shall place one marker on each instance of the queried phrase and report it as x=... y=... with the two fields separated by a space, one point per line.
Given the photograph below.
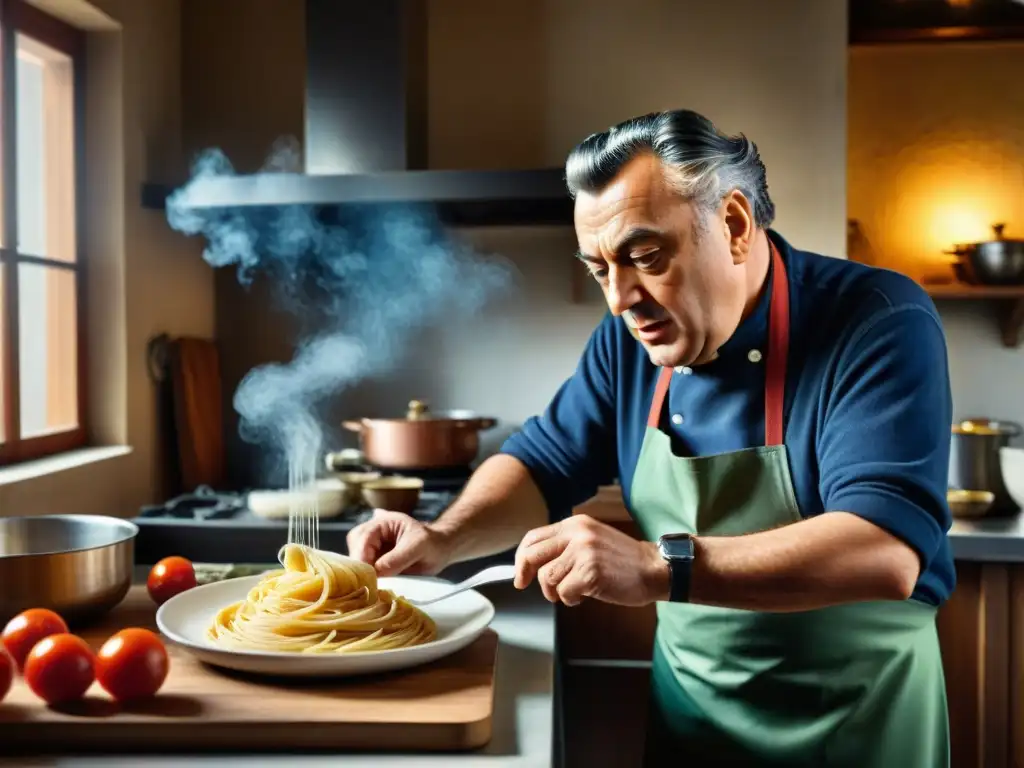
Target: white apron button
x=754 y=356
x=677 y=418
x=684 y=370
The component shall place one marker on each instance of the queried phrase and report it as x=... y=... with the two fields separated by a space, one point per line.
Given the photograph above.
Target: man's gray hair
x=704 y=164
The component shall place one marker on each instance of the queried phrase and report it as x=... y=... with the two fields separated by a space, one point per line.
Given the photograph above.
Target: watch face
x=676 y=547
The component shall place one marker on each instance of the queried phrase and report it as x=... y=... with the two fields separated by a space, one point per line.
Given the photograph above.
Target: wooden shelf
x=1009 y=299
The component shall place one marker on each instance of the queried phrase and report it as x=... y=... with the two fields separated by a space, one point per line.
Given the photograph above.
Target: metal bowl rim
x=129 y=526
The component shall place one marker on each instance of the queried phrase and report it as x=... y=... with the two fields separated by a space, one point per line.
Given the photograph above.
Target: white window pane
x=3 y=337
x=48 y=349
x=46 y=159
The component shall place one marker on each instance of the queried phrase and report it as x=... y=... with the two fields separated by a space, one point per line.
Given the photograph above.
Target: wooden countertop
x=444 y=705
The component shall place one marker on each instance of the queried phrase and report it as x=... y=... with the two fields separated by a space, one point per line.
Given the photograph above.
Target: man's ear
x=738 y=217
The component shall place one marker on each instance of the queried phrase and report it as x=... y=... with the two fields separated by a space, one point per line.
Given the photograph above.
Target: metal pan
x=993 y=262
x=77 y=565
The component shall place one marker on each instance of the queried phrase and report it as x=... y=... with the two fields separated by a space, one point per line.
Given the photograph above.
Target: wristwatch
x=677 y=549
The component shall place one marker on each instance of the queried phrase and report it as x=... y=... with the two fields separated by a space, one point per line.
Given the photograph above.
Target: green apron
x=858 y=685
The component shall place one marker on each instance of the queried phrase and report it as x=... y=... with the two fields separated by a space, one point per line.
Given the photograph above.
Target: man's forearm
x=828 y=559
x=499 y=504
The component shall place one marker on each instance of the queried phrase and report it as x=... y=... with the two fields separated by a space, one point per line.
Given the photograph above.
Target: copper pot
x=421 y=440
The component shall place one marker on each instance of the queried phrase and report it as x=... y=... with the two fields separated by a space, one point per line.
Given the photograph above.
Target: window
x=42 y=382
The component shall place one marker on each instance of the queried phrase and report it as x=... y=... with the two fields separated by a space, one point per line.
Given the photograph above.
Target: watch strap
x=678 y=551
x=680 y=571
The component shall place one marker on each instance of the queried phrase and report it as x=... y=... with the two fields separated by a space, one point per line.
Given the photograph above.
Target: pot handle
x=486 y=423
x=1013 y=429
x=353 y=426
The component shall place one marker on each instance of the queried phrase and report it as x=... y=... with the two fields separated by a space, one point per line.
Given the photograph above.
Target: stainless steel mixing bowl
x=77 y=565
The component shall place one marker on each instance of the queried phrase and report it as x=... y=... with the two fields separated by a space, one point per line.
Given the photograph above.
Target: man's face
x=675 y=274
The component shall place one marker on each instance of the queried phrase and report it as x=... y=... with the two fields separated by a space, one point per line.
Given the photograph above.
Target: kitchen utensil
x=347 y=460
x=460 y=620
x=490 y=575
x=1011 y=461
x=993 y=262
x=447 y=705
x=353 y=483
x=77 y=565
x=969 y=504
x=327 y=496
x=397 y=494
x=974 y=463
x=421 y=440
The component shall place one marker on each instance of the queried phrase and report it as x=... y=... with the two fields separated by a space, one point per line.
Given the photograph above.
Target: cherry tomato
x=60 y=668
x=169 y=577
x=28 y=628
x=132 y=664
x=6 y=673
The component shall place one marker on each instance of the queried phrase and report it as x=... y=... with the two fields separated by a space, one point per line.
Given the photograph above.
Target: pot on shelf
x=421 y=440
x=974 y=460
x=992 y=262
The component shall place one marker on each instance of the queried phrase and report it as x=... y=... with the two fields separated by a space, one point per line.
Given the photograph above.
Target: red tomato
x=132 y=664
x=6 y=673
x=60 y=668
x=28 y=628
x=169 y=577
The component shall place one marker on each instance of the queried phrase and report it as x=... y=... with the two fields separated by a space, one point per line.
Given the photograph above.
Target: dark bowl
x=998 y=262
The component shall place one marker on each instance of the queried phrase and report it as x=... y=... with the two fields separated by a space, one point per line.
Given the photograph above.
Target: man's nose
x=623 y=290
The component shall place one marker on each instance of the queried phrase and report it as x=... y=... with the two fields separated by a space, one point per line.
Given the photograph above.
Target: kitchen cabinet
x=604 y=654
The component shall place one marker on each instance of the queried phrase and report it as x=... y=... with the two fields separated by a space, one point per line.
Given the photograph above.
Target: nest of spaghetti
x=320 y=602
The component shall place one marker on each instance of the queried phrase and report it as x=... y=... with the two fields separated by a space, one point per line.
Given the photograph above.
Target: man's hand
x=581 y=557
x=396 y=543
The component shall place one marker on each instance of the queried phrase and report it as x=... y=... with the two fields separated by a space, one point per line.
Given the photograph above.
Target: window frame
x=18 y=17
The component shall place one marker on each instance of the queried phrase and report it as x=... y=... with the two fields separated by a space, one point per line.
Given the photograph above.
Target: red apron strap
x=775 y=373
x=778 y=349
x=660 y=390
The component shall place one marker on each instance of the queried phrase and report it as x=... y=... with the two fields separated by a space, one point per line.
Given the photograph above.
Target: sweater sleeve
x=883 y=449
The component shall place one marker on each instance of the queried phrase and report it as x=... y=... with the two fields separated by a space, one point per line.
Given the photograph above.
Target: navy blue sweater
x=868 y=407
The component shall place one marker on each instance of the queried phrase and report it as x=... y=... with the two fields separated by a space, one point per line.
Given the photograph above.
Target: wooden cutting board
x=446 y=705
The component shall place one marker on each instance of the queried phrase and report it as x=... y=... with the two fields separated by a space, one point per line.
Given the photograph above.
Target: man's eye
x=646 y=260
x=598 y=273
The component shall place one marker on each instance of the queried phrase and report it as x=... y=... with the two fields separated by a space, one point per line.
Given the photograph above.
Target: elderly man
x=779 y=422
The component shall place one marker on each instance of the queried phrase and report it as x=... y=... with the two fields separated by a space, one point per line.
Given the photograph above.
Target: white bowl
x=460 y=619
x=1011 y=461
x=326 y=496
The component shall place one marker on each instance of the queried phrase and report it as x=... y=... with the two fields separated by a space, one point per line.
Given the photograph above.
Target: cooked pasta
x=320 y=602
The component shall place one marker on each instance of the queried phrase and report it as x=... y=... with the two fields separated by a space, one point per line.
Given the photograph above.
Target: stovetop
x=217 y=527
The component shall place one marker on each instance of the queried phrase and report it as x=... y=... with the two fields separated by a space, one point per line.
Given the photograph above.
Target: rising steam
x=360 y=280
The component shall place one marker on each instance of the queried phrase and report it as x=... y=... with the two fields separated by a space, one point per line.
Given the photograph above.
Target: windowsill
x=62 y=462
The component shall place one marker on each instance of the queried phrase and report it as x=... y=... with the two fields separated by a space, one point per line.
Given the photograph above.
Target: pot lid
x=984 y=427
x=998 y=236
x=419 y=411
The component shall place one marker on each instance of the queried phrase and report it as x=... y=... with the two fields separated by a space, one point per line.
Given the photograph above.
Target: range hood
x=365 y=132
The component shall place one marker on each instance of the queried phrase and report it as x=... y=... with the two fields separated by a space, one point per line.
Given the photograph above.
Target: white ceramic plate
x=460 y=620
